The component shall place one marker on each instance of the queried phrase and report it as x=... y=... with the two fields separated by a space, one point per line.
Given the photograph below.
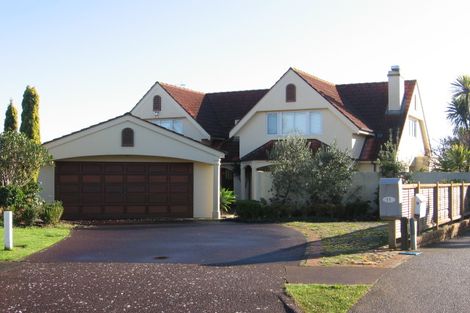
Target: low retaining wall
x=444 y=232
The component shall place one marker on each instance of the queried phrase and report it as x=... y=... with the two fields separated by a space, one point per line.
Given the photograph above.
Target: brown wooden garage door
x=101 y=190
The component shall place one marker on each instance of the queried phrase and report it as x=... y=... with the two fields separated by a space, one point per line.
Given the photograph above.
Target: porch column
x=216 y=195
x=242 y=183
x=254 y=183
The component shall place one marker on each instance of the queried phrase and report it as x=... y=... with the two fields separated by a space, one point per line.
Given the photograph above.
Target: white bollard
x=8 y=229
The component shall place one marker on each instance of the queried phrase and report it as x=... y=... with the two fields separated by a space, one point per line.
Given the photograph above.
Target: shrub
x=27 y=216
x=331 y=174
x=11 y=196
x=357 y=208
x=248 y=209
x=52 y=212
x=227 y=198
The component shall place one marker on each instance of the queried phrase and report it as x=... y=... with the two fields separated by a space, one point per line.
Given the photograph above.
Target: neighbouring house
x=171 y=153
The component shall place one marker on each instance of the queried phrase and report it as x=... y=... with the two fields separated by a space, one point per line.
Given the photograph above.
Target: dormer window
x=127 y=137
x=290 y=93
x=157 y=104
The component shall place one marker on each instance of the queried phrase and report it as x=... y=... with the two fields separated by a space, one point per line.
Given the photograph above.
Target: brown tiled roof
x=365 y=105
x=330 y=93
x=189 y=99
x=369 y=101
x=215 y=112
x=262 y=152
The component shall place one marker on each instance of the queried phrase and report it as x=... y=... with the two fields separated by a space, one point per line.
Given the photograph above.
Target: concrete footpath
x=438 y=280
x=345 y=275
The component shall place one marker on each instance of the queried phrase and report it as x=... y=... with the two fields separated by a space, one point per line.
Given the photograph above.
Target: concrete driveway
x=436 y=281
x=181 y=267
x=222 y=243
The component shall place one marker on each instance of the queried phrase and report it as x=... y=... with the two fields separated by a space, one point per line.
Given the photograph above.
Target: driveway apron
x=180 y=267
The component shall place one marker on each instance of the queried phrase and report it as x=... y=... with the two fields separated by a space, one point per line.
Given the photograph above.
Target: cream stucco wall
x=411 y=147
x=149 y=140
x=170 y=109
x=253 y=132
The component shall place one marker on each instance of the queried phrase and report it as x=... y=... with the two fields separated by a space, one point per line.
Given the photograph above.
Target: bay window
x=175 y=125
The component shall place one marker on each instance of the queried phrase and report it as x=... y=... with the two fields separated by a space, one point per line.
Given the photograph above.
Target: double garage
x=98 y=175
x=124 y=190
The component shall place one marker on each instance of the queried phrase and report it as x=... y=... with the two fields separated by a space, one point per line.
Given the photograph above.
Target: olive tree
x=291 y=158
x=330 y=175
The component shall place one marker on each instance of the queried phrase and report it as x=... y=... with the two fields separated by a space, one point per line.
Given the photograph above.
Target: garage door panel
x=69 y=188
x=136 y=209
x=91 y=188
x=91 y=178
x=91 y=168
x=136 y=197
x=136 y=188
x=158 y=179
x=154 y=188
x=158 y=168
x=114 y=198
x=115 y=209
x=113 y=168
x=68 y=178
x=114 y=188
x=114 y=179
x=88 y=197
x=158 y=198
x=118 y=189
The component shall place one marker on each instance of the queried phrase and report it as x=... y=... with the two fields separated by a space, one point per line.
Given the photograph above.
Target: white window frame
x=172 y=123
x=280 y=131
x=413 y=128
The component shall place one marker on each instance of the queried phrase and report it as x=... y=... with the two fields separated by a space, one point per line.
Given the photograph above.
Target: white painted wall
x=170 y=109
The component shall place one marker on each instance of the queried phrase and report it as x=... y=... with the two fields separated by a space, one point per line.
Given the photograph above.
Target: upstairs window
x=290 y=93
x=157 y=104
x=301 y=122
x=413 y=128
x=127 y=137
x=175 y=125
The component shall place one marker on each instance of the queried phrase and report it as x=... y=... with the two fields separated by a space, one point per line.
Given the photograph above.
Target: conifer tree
x=11 y=118
x=30 y=114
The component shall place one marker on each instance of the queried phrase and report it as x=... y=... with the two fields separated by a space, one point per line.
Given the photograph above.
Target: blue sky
x=93 y=60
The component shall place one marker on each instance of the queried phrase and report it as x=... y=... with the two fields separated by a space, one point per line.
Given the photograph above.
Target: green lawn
x=314 y=298
x=347 y=242
x=28 y=240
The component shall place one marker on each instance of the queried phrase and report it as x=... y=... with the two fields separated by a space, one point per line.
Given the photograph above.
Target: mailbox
x=390 y=198
x=420 y=205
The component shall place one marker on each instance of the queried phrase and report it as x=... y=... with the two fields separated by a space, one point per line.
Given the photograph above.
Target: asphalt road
x=436 y=281
x=209 y=267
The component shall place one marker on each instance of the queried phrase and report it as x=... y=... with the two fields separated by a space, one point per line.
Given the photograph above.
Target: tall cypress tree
x=30 y=114
x=11 y=118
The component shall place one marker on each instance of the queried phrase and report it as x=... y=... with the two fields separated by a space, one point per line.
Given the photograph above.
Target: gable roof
x=329 y=91
x=364 y=105
x=369 y=101
x=215 y=112
x=129 y=116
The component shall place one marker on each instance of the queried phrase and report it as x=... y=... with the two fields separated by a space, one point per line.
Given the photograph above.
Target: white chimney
x=396 y=89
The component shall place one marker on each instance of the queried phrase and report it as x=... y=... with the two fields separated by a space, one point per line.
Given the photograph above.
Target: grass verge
x=346 y=243
x=28 y=240
x=317 y=298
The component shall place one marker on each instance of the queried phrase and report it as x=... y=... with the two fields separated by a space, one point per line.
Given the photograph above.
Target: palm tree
x=458 y=113
x=461 y=89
